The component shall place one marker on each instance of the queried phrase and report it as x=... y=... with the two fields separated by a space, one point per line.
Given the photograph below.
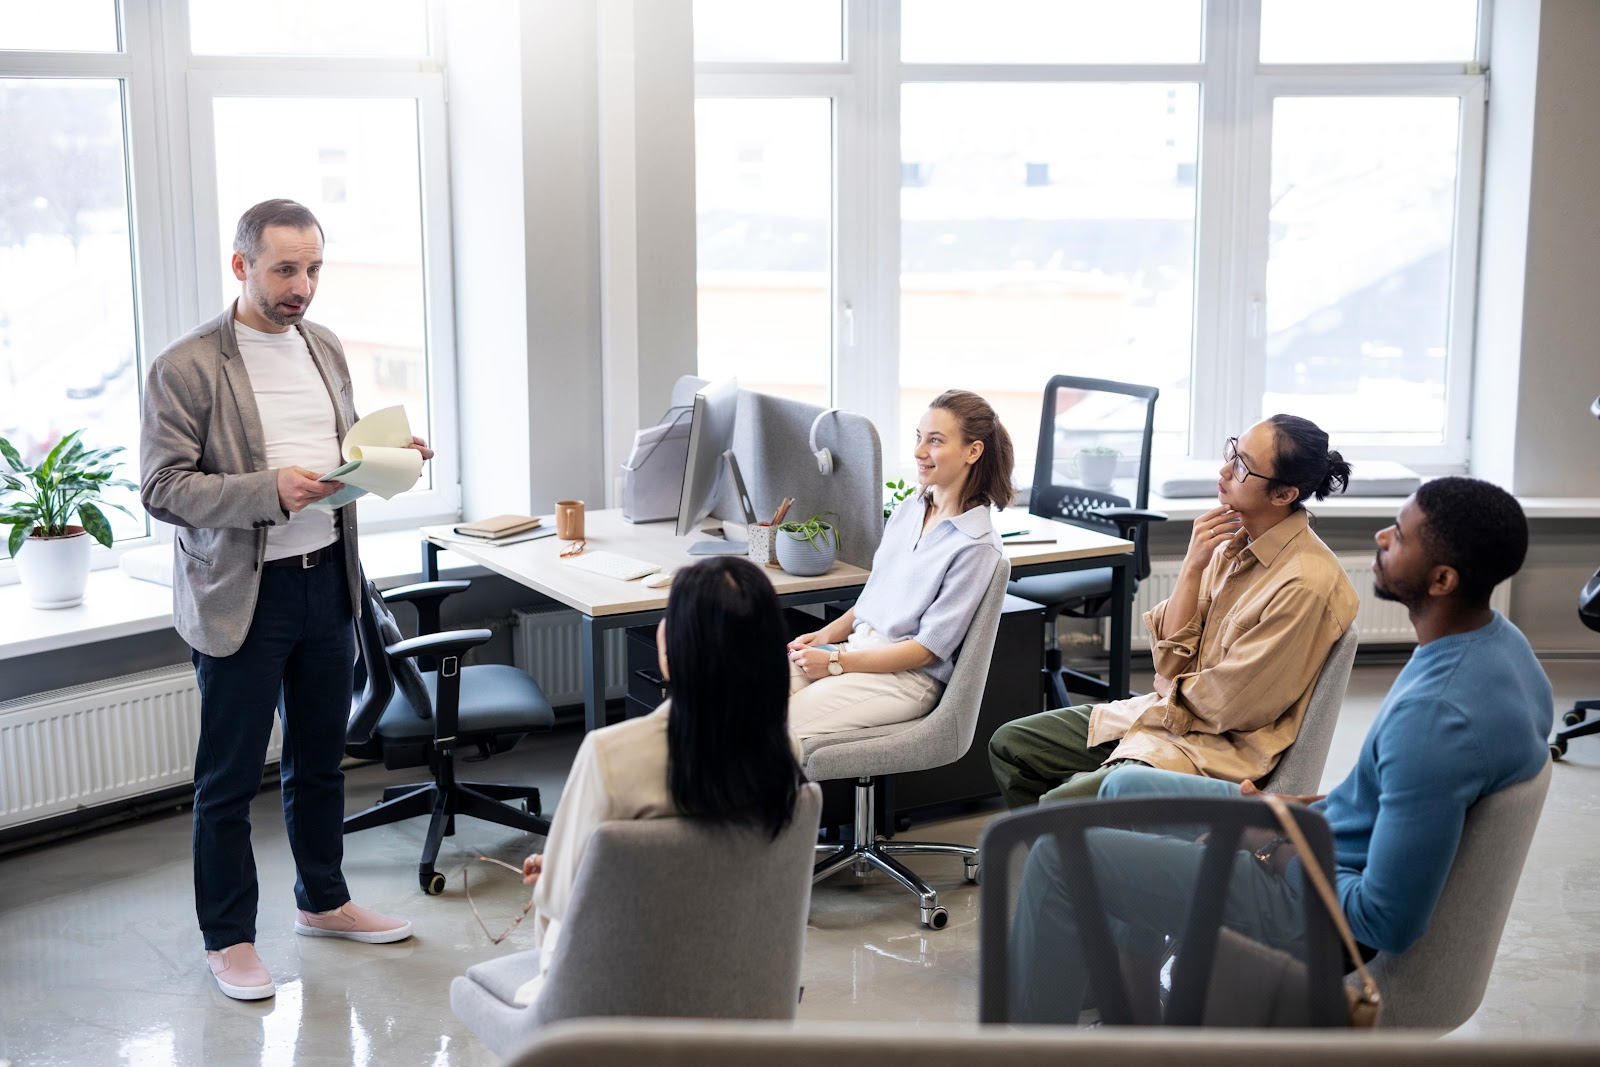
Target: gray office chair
x=942 y=736
x=412 y=718
x=670 y=918
x=1092 y=469
x=1438 y=982
x=629 y=1042
x=1299 y=770
x=1219 y=977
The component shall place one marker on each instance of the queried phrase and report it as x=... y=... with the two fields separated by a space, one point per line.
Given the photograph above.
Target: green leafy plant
x=816 y=531
x=69 y=480
x=898 y=491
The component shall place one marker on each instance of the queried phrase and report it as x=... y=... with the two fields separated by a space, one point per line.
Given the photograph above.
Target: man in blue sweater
x=1467 y=716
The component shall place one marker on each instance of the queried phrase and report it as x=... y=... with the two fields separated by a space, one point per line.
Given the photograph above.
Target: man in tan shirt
x=1259 y=602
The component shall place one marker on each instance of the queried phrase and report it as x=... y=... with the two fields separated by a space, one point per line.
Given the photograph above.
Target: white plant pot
x=802 y=558
x=55 y=570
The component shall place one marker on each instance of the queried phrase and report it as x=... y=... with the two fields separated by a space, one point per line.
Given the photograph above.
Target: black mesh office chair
x=1092 y=470
x=1589 y=614
x=412 y=718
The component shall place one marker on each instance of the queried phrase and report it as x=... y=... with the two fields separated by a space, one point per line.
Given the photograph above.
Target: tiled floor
x=100 y=962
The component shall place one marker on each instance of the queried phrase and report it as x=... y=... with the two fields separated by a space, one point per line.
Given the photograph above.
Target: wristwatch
x=834 y=666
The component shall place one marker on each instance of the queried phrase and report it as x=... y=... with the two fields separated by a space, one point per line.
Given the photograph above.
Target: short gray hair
x=247 y=238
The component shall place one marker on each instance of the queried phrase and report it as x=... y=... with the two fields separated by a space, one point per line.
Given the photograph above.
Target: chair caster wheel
x=974 y=872
x=1557 y=750
x=1573 y=717
x=935 y=918
x=432 y=882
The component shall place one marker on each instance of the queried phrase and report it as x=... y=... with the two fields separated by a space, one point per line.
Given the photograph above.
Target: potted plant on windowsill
x=52 y=554
x=808 y=548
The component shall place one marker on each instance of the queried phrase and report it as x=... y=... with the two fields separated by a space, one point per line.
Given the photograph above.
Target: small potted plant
x=1097 y=466
x=808 y=548
x=52 y=555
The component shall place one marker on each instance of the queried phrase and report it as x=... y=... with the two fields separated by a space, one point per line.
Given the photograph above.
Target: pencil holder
x=759 y=534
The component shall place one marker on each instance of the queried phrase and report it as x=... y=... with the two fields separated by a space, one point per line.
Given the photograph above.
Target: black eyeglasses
x=1230 y=454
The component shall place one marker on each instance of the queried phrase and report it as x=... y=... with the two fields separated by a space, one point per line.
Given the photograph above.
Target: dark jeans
x=301 y=643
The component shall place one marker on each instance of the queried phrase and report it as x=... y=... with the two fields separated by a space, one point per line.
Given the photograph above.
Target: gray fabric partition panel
x=772 y=442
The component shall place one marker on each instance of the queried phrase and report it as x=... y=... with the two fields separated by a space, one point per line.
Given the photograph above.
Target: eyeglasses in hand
x=466 y=886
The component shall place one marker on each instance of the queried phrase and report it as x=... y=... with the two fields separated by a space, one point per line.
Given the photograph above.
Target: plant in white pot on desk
x=806 y=549
x=39 y=502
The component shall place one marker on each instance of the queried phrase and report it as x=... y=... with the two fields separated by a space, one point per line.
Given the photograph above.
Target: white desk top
x=539 y=566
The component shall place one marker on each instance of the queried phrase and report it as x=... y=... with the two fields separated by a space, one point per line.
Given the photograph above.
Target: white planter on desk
x=55 y=570
x=807 y=559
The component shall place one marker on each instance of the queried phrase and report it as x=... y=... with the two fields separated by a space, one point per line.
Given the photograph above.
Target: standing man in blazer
x=240 y=416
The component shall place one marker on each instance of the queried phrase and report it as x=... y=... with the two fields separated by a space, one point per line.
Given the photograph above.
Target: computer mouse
x=658 y=579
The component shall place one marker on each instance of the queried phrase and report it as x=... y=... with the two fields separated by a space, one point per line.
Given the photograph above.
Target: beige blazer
x=203 y=468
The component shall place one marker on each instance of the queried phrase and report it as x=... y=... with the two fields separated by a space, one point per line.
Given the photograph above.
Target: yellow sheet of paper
x=377 y=459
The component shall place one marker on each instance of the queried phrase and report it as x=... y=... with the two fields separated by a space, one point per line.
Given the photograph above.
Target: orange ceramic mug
x=569 y=520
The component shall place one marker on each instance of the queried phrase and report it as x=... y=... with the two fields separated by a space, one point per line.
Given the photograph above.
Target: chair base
x=1580 y=711
x=481 y=800
x=868 y=851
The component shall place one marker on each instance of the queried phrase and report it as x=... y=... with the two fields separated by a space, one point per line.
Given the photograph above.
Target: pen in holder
x=759 y=534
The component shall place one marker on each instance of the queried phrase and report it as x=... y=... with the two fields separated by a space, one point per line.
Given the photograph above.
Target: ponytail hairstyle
x=1304 y=462
x=729 y=756
x=989 y=479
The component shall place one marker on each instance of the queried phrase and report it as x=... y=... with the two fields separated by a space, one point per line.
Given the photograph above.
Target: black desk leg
x=1120 y=670
x=430 y=561
x=592 y=650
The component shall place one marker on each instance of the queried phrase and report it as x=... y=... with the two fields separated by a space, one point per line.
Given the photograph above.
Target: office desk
x=607 y=604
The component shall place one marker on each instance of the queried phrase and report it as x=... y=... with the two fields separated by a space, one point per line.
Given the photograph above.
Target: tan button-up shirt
x=1243 y=667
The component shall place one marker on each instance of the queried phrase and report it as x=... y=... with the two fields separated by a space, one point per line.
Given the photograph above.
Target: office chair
x=1092 y=470
x=1218 y=979
x=410 y=718
x=939 y=738
x=718 y=937
x=1589 y=615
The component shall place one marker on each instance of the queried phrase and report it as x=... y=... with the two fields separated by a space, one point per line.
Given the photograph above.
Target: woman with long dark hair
x=717 y=749
x=887 y=659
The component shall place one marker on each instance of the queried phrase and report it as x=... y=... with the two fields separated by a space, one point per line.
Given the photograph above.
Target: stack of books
x=498 y=528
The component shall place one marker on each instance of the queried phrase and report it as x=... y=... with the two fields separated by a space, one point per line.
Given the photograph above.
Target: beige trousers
x=855 y=701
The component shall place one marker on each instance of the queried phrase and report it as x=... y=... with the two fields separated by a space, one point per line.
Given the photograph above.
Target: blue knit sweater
x=1468 y=716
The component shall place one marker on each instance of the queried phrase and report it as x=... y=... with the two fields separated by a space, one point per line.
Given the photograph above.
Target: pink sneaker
x=240 y=973
x=354 y=923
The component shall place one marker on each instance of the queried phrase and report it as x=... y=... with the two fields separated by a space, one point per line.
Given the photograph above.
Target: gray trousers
x=1146 y=882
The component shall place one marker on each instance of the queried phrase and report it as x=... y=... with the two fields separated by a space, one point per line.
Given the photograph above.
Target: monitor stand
x=724 y=546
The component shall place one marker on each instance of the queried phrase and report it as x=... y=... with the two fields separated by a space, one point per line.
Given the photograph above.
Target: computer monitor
x=711 y=426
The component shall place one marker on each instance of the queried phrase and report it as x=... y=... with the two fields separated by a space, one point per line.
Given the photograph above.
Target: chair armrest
x=426 y=590
x=428 y=598
x=445 y=643
x=1127 y=517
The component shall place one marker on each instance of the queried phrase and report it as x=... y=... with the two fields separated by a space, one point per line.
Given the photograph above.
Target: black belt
x=308 y=560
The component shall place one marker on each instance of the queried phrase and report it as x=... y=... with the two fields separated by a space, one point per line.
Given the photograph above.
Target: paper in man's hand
x=378 y=459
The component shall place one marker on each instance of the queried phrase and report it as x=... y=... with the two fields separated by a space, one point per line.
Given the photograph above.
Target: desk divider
x=771 y=441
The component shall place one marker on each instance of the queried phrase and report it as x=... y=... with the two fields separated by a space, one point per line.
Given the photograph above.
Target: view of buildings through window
x=1051 y=218
x=78 y=217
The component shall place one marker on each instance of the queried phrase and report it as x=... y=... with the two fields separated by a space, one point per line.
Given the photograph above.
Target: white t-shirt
x=298 y=420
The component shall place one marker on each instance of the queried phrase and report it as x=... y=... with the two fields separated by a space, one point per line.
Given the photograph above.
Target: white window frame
x=173 y=234
x=427 y=91
x=1236 y=90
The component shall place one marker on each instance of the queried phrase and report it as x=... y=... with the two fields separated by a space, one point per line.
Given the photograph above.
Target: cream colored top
x=620 y=772
x=1243 y=667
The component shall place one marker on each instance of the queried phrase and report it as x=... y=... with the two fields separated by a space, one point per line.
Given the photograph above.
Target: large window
x=1255 y=205
x=116 y=214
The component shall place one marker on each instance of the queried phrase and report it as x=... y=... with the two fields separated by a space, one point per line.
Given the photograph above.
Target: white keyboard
x=613 y=565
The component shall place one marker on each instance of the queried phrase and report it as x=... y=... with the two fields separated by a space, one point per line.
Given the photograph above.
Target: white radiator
x=547 y=645
x=99 y=743
x=1380 y=622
